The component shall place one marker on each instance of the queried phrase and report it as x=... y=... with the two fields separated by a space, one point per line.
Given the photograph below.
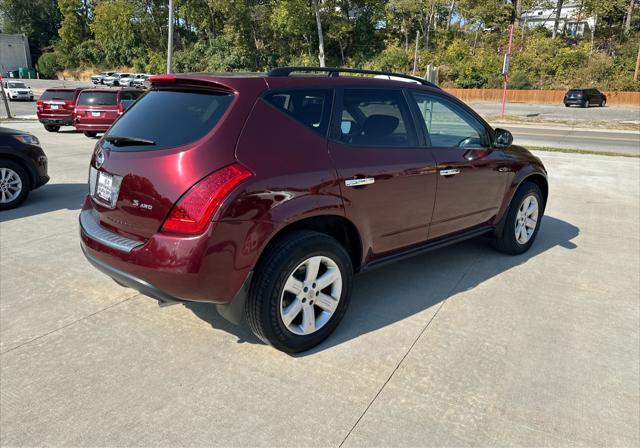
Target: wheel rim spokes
x=310 y=295
x=10 y=185
x=526 y=219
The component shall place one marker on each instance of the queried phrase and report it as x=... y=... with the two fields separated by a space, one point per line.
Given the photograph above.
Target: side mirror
x=502 y=138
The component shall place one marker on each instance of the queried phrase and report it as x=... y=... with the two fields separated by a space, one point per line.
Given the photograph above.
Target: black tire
x=603 y=103
x=274 y=268
x=586 y=104
x=506 y=241
x=52 y=127
x=24 y=179
x=90 y=134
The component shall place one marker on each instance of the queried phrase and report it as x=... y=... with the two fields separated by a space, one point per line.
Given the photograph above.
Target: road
x=612 y=141
x=463 y=346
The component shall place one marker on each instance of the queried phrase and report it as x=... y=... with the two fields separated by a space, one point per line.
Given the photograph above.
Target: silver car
x=99 y=78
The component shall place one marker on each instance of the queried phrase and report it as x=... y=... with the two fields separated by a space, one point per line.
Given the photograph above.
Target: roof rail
x=335 y=72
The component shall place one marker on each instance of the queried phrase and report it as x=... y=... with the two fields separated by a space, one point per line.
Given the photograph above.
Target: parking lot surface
x=461 y=346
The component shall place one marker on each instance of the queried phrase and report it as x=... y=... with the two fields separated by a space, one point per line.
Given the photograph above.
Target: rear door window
x=170 y=118
x=309 y=107
x=58 y=95
x=376 y=117
x=98 y=99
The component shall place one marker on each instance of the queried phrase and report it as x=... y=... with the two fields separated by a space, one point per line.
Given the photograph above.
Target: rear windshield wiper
x=127 y=141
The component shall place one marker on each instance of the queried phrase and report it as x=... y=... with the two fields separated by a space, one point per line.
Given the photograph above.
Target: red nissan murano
x=265 y=194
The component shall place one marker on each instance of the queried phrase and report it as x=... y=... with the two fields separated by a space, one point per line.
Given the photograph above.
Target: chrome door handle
x=359 y=182
x=450 y=172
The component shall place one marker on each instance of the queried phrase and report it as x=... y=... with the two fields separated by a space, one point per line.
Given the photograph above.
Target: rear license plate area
x=104 y=187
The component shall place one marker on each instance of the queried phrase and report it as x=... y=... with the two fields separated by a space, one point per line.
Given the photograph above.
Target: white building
x=573 y=21
x=14 y=52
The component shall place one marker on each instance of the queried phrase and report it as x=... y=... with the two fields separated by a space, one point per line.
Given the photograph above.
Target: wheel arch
x=31 y=172
x=335 y=226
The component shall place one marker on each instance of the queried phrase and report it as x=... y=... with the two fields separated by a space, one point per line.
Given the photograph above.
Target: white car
x=129 y=81
x=99 y=78
x=17 y=90
x=140 y=79
x=114 y=80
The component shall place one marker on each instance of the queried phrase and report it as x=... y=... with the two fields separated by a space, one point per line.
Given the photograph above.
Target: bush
x=519 y=80
x=48 y=65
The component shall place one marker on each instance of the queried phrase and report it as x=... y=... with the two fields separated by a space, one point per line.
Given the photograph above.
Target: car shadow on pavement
x=47 y=199
x=400 y=290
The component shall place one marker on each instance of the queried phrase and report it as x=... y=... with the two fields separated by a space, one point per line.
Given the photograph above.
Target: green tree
x=114 y=31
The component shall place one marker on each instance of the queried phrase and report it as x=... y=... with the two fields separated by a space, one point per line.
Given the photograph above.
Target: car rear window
x=170 y=118
x=575 y=91
x=98 y=98
x=58 y=95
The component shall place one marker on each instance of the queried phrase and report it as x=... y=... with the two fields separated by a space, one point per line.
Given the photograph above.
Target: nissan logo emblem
x=99 y=158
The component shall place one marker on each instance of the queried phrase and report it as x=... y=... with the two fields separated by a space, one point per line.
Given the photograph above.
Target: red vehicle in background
x=55 y=107
x=97 y=109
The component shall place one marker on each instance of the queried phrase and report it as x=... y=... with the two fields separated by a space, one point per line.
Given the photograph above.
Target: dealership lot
x=462 y=346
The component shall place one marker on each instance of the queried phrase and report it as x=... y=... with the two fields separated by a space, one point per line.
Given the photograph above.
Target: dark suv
x=264 y=194
x=584 y=98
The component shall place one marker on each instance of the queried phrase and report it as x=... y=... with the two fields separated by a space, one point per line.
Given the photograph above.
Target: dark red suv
x=264 y=194
x=55 y=107
x=97 y=109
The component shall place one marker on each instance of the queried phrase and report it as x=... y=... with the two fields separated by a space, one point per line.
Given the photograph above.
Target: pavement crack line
x=69 y=324
x=453 y=288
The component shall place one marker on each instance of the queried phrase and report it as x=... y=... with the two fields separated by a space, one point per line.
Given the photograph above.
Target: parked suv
x=266 y=194
x=97 y=109
x=23 y=167
x=55 y=107
x=585 y=98
x=17 y=90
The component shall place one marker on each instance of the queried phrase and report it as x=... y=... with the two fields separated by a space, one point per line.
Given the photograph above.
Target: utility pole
x=505 y=68
x=170 y=38
x=635 y=75
x=6 y=103
x=415 y=54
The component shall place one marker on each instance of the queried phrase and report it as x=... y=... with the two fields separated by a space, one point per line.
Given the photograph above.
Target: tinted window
x=98 y=98
x=58 y=95
x=17 y=85
x=170 y=118
x=375 y=117
x=129 y=95
x=447 y=125
x=573 y=91
x=309 y=107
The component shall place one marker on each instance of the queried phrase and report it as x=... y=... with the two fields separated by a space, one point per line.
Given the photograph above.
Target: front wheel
x=300 y=291
x=586 y=104
x=522 y=221
x=603 y=103
x=14 y=185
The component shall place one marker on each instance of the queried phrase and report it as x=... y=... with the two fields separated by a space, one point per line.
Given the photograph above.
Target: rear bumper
x=166 y=267
x=60 y=121
x=573 y=101
x=91 y=127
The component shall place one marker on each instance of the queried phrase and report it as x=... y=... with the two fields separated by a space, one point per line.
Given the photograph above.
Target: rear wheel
x=603 y=103
x=90 y=134
x=14 y=185
x=300 y=291
x=586 y=104
x=52 y=127
x=522 y=221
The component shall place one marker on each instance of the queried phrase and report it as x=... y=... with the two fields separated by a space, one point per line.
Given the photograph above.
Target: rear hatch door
x=168 y=140
x=97 y=107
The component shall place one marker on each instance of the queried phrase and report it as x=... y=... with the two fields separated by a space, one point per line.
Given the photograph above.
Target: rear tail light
x=162 y=78
x=69 y=104
x=120 y=109
x=194 y=210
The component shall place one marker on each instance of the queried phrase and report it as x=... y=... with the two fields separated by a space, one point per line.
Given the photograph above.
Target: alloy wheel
x=311 y=295
x=526 y=219
x=10 y=185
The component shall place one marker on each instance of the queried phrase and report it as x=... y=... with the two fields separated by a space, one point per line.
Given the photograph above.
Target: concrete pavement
x=462 y=346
